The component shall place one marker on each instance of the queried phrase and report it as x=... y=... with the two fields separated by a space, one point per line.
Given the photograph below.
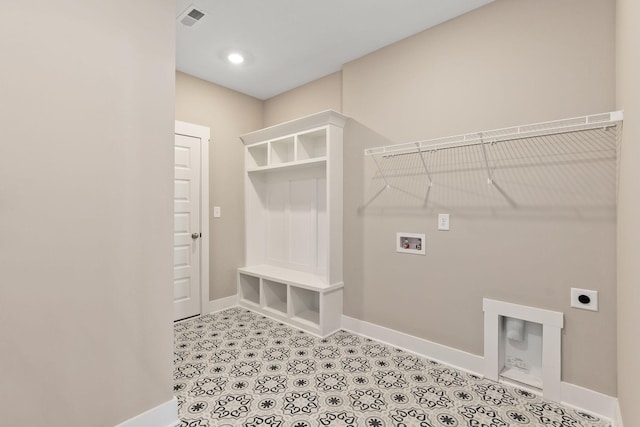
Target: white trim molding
x=323 y=118
x=203 y=133
x=163 y=415
x=221 y=304
x=589 y=401
x=431 y=350
x=552 y=323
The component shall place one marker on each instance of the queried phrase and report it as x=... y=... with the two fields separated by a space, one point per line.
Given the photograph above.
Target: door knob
x=194 y=236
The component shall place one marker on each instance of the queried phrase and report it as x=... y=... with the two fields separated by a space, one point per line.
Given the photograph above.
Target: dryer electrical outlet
x=584 y=299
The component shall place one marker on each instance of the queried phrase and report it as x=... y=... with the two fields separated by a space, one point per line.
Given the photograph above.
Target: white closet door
x=186 y=233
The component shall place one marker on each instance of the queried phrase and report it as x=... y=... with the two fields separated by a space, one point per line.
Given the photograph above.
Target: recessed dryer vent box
x=410 y=243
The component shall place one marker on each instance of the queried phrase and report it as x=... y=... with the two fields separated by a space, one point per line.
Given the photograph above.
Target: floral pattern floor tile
x=238 y=368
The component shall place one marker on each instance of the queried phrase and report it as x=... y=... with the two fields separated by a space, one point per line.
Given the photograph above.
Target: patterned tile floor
x=238 y=368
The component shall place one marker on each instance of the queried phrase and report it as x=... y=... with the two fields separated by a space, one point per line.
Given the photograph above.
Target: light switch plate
x=216 y=212
x=443 y=222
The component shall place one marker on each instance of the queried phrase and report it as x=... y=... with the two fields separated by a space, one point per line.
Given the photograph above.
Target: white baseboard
x=617 y=419
x=588 y=400
x=571 y=395
x=222 y=304
x=438 y=352
x=163 y=415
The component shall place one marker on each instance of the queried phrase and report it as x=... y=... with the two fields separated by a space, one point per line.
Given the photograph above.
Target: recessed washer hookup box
x=410 y=243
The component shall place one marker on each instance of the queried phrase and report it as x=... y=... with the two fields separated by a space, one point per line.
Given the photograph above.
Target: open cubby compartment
x=312 y=145
x=283 y=150
x=257 y=155
x=249 y=288
x=275 y=296
x=305 y=305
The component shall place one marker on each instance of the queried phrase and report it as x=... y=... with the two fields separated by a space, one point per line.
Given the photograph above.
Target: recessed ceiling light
x=235 y=58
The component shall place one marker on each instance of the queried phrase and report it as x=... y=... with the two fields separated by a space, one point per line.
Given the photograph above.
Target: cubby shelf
x=305 y=305
x=275 y=296
x=291 y=150
x=290 y=166
x=293 y=219
x=292 y=296
x=282 y=151
x=257 y=156
x=296 y=278
x=249 y=289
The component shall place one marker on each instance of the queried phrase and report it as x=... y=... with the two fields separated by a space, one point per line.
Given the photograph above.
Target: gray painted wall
x=508 y=63
x=86 y=196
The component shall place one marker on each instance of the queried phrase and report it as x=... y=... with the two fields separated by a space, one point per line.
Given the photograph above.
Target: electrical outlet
x=584 y=299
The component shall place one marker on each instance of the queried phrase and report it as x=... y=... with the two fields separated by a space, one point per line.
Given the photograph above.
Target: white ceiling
x=291 y=42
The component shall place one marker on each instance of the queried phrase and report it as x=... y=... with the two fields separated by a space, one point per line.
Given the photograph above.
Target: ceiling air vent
x=190 y=16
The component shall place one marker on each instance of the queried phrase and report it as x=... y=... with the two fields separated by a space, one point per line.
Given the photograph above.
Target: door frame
x=204 y=134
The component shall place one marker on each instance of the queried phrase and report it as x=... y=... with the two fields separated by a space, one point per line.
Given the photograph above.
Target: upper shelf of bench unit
x=323 y=118
x=298 y=164
x=290 y=277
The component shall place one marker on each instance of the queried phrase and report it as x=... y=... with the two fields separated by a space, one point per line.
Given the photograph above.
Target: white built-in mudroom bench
x=293 y=222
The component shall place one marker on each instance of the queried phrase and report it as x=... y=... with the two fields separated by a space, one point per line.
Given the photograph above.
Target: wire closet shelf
x=562 y=151
x=601 y=120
